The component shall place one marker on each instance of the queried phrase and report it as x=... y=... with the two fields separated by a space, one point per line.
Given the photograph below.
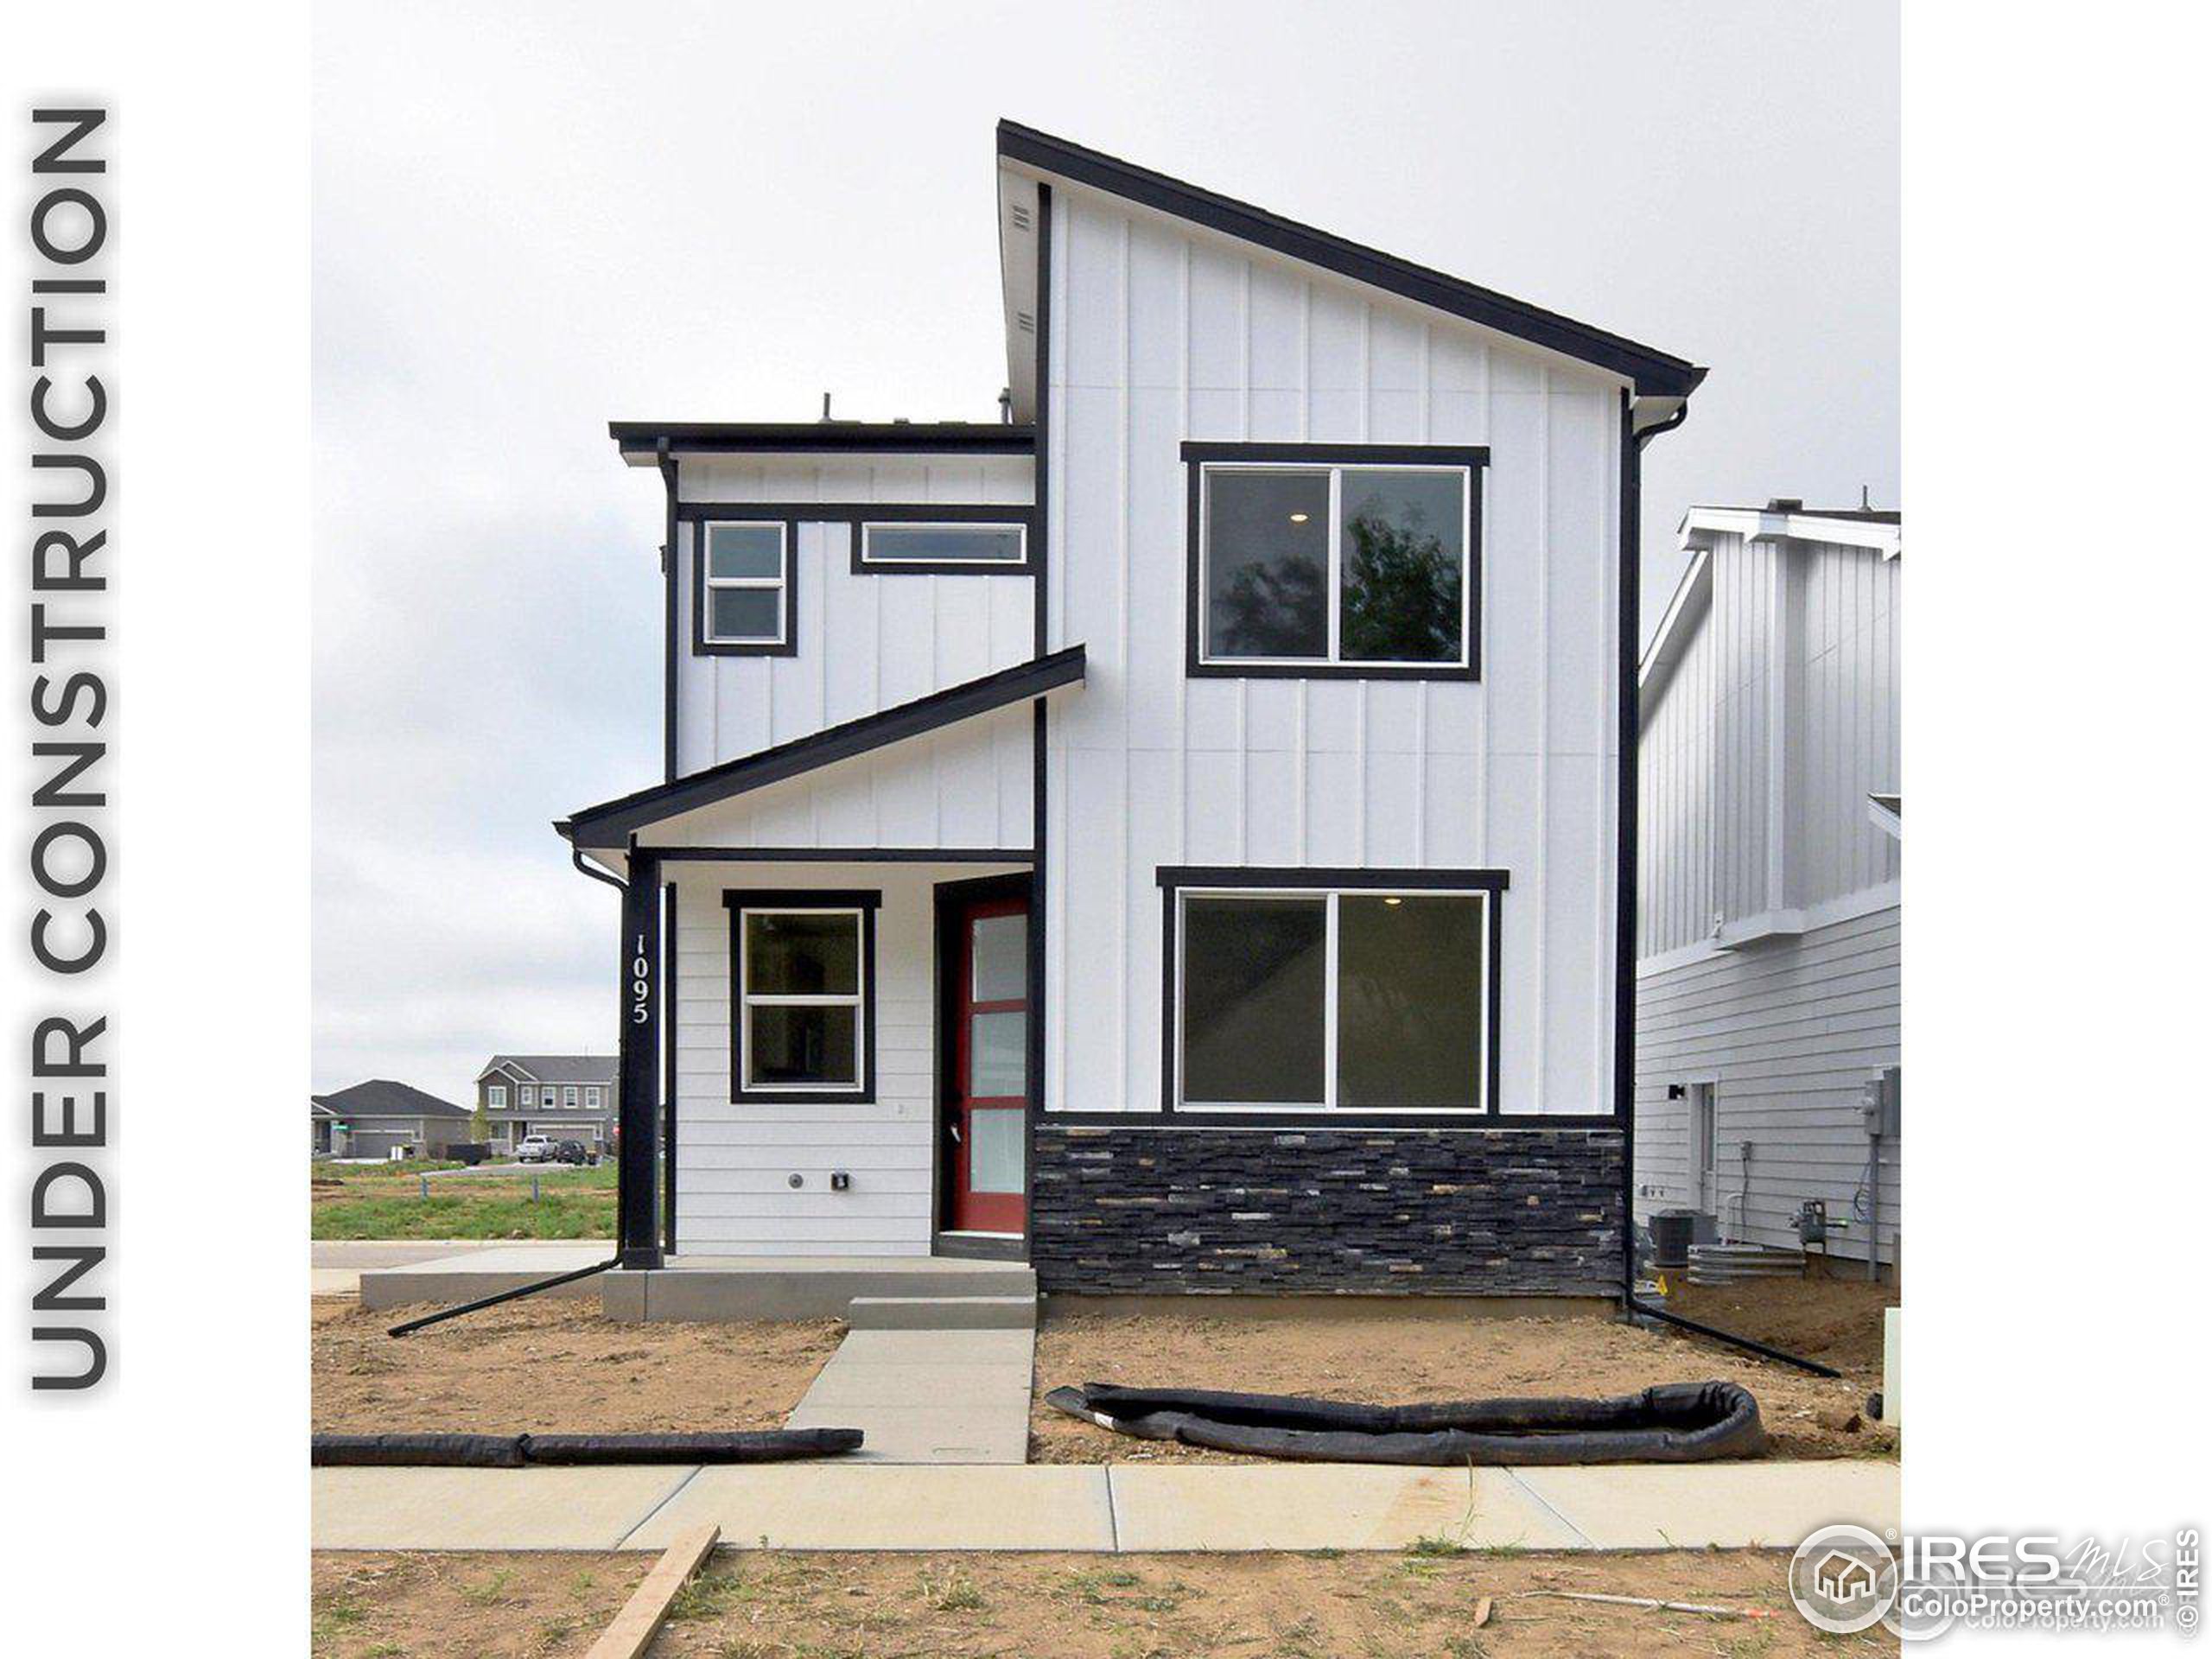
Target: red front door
x=986 y=1113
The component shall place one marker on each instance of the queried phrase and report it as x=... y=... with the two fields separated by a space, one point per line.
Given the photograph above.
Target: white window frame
x=495 y=1095
x=568 y=1097
x=1470 y=562
x=869 y=526
x=1334 y=897
x=708 y=582
x=594 y=1098
x=529 y=1095
x=748 y=999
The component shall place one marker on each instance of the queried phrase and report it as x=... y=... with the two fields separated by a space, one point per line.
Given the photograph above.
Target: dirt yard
x=885 y=1606
x=1394 y=1357
x=561 y=1366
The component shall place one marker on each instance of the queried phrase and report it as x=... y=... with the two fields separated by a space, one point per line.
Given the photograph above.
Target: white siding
x=734 y=1162
x=865 y=642
x=1790 y=1033
x=967 y=786
x=1162 y=333
x=1759 y=749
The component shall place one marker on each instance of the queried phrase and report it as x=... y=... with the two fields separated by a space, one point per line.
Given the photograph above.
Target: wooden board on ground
x=634 y=1628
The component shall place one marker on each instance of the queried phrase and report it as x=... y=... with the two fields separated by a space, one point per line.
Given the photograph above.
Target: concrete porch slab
x=860 y=1506
x=1715 y=1505
x=1323 y=1506
x=461 y=1276
x=812 y=1287
x=485 y=1508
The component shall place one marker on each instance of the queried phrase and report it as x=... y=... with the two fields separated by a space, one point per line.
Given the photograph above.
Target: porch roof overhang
x=608 y=831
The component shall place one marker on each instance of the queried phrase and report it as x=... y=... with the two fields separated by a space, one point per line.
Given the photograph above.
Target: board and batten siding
x=1769 y=901
x=1162 y=332
x=866 y=643
x=733 y=1162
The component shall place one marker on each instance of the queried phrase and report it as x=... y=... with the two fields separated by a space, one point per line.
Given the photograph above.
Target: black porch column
x=637 y=1230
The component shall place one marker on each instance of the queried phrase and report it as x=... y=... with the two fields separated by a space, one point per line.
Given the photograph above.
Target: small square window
x=744 y=593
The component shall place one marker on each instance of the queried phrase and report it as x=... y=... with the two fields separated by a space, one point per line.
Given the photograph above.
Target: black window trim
x=858 y=515
x=1473 y=459
x=866 y=900
x=1178 y=879
x=701 y=644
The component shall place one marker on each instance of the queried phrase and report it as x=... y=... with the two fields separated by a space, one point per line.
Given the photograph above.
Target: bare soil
x=1009 y=1606
x=544 y=1366
x=1396 y=1356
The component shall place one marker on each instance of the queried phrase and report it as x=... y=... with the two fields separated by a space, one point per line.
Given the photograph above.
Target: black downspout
x=1631 y=629
x=668 y=562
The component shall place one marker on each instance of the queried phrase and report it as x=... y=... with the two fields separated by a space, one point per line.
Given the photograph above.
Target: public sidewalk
x=1100 y=1507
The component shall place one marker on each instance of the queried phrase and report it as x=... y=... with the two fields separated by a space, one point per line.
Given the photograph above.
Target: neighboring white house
x=1174 y=835
x=1768 y=958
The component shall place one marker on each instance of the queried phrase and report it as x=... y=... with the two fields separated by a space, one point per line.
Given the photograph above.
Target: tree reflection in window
x=1402 y=553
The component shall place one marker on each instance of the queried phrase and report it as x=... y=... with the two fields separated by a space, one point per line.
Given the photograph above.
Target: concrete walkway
x=927 y=1396
x=337 y=1264
x=849 y=1504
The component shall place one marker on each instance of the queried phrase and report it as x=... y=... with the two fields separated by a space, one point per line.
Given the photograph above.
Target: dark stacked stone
x=1491 y=1212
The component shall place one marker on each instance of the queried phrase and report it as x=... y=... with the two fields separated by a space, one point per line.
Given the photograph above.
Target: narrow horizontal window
x=977 y=544
x=744 y=589
x=1362 y=999
x=1332 y=565
x=801 y=1018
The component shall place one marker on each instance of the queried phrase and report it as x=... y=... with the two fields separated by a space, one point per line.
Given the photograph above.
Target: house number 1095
x=641 y=984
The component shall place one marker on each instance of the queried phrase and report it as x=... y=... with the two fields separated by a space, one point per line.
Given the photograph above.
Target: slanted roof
x=608 y=826
x=1652 y=372
x=639 y=440
x=382 y=1097
x=555 y=1068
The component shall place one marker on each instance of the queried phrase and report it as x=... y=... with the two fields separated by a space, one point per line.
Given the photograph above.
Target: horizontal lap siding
x=866 y=642
x=1791 y=1032
x=1161 y=334
x=733 y=1162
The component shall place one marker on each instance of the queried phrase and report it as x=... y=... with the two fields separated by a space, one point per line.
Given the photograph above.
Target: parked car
x=575 y=1152
x=535 y=1149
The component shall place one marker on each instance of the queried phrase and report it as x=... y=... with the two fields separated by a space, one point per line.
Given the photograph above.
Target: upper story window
x=496 y=1097
x=593 y=1100
x=744 y=598
x=955 y=546
x=1314 y=560
x=529 y=1095
x=1317 y=991
x=568 y=1097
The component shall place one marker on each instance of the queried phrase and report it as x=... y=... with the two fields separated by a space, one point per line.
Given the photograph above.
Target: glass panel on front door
x=987 y=1115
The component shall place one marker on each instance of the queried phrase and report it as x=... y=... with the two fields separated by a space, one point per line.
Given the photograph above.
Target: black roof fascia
x=848 y=437
x=1653 y=372
x=607 y=826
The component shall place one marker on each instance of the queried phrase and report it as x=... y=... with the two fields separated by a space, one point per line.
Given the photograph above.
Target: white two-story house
x=1180 y=835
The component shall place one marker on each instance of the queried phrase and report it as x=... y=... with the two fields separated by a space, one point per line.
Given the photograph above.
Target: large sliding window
x=1325 y=991
x=803 y=1016
x=1317 y=559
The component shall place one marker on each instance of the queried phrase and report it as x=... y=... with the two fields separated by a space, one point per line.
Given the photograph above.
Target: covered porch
x=829 y=973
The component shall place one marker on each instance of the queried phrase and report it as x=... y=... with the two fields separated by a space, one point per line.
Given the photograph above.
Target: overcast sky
x=533 y=219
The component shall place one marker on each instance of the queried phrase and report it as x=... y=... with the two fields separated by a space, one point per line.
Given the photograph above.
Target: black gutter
x=840 y=437
x=1655 y=373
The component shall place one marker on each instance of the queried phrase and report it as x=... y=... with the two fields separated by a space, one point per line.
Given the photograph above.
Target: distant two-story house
x=1768 y=1065
x=1182 y=835
x=384 y=1119
x=567 y=1096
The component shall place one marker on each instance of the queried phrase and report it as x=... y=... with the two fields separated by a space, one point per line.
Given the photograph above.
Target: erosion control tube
x=528 y=1451
x=1675 y=1422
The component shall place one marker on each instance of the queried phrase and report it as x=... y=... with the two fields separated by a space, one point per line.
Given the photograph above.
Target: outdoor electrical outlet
x=839 y=1180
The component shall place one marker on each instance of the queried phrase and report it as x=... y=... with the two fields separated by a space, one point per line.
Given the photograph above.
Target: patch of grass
x=476 y=1211
x=709 y=1595
x=331 y=1615
x=953 y=1593
x=1430 y=1544
x=489 y=1593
